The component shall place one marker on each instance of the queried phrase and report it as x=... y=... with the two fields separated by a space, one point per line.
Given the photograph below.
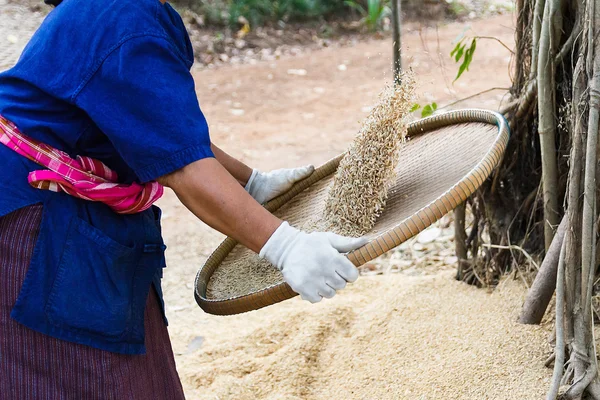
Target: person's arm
x=240 y=171
x=312 y=264
x=213 y=195
x=262 y=186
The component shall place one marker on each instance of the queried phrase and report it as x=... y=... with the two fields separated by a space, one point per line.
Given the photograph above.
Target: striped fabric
x=84 y=177
x=34 y=366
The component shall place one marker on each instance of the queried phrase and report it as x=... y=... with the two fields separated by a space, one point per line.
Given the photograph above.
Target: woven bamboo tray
x=445 y=160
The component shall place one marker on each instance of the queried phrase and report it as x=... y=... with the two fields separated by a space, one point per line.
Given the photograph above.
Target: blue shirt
x=107 y=79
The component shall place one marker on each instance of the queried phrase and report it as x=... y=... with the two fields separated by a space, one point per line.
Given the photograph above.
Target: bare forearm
x=207 y=189
x=240 y=171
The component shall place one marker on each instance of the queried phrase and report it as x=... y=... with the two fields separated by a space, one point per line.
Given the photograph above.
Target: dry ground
x=417 y=334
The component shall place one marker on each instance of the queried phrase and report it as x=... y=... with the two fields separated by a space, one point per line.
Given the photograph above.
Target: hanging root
x=460 y=242
x=549 y=38
x=559 y=350
x=542 y=289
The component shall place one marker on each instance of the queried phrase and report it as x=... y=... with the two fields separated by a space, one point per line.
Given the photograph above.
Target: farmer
x=97 y=116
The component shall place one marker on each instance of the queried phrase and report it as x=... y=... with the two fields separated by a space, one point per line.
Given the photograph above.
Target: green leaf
x=461 y=69
x=456 y=48
x=472 y=52
x=415 y=107
x=427 y=111
x=434 y=106
x=468 y=57
x=460 y=53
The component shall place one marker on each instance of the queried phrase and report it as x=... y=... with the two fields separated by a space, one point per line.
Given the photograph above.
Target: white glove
x=266 y=186
x=312 y=264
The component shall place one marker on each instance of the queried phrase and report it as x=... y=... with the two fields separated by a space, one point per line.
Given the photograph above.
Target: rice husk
x=366 y=172
x=356 y=198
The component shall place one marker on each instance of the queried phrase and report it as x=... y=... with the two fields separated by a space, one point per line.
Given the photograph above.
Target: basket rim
x=385 y=241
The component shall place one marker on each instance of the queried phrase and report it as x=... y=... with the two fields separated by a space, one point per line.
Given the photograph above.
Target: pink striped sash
x=84 y=177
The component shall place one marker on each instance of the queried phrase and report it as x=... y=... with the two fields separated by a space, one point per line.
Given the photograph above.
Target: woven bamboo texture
x=445 y=159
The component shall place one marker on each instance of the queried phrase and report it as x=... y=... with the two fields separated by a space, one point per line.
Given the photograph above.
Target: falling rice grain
x=366 y=172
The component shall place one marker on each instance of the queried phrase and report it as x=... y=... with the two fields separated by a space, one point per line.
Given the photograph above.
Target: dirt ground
x=414 y=334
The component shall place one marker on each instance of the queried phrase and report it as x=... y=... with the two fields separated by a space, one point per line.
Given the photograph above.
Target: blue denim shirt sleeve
x=143 y=99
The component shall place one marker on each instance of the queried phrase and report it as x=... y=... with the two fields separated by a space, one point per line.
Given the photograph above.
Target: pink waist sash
x=84 y=177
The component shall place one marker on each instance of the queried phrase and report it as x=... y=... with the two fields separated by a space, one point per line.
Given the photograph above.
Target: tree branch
x=472 y=96
x=512 y=247
x=497 y=40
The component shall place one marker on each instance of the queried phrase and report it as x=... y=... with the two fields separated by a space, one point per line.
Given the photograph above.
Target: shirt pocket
x=92 y=292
